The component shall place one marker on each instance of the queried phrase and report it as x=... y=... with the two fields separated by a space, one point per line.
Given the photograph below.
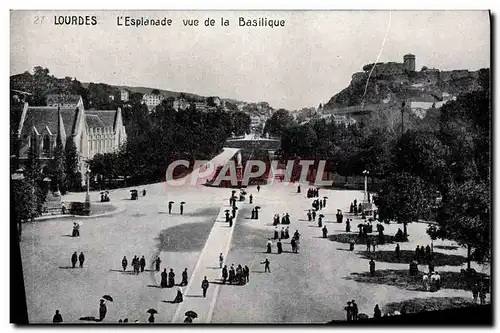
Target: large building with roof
x=93 y=131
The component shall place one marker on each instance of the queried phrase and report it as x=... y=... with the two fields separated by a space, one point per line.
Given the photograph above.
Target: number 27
x=39 y=19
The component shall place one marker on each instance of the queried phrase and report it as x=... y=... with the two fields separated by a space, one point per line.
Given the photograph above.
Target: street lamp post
x=87 y=195
x=366 y=173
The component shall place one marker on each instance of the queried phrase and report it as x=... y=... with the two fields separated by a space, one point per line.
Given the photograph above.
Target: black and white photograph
x=184 y=167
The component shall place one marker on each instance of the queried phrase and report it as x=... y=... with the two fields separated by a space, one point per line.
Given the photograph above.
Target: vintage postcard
x=250 y=167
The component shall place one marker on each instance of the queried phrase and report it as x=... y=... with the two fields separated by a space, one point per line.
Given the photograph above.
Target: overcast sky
x=302 y=64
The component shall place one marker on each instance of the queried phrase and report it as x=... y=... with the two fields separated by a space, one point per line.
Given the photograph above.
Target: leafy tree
x=57 y=166
x=405 y=198
x=279 y=121
x=465 y=217
x=25 y=207
x=155 y=92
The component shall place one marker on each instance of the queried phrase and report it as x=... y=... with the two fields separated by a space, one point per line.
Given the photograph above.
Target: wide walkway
x=218 y=242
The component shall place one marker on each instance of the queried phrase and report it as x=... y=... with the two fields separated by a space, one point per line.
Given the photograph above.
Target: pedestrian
x=351 y=245
x=276 y=233
x=224 y=274
x=171 y=278
x=349 y=309
x=425 y=282
x=475 y=292
x=204 y=286
x=170 y=207
x=124 y=263
x=269 y=245
x=182 y=209
x=351 y=208
x=102 y=310
x=428 y=252
x=368 y=244
x=151 y=318
x=142 y=263
x=320 y=221
x=266 y=266
x=372 y=267
x=438 y=281
x=482 y=294
x=293 y=243
x=81 y=259
x=137 y=265
x=74 y=259
x=57 y=318
x=296 y=235
x=180 y=296
x=230 y=222
x=279 y=245
x=251 y=199
x=433 y=282
x=325 y=232
x=134 y=263
x=164 y=275
x=354 y=310
x=157 y=264
x=258 y=188
x=287 y=234
x=221 y=260
x=247 y=273
x=417 y=253
x=431 y=266
x=184 y=281
x=253 y=214
x=347 y=225
x=232 y=274
x=314 y=215
x=376 y=312
x=144 y=192
x=374 y=245
x=282 y=234
x=398 y=251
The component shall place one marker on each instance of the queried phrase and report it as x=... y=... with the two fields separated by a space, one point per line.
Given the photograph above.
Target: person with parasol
x=152 y=313
x=190 y=315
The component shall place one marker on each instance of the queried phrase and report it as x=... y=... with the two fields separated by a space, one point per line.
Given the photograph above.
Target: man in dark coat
x=182 y=209
x=351 y=208
x=57 y=318
x=247 y=273
x=276 y=233
x=142 y=263
x=253 y=214
x=282 y=233
x=81 y=259
x=354 y=310
x=224 y=274
x=124 y=263
x=227 y=216
x=184 y=281
x=428 y=252
x=157 y=264
x=74 y=259
x=232 y=274
x=137 y=265
x=204 y=286
x=298 y=189
x=376 y=312
x=233 y=211
x=309 y=216
x=171 y=278
x=372 y=267
x=170 y=207
x=314 y=215
x=349 y=309
x=266 y=265
x=287 y=218
x=258 y=188
x=279 y=245
x=398 y=251
x=102 y=310
x=230 y=221
x=325 y=232
x=324 y=202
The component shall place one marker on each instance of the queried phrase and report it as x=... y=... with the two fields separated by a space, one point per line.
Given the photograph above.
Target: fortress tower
x=409 y=62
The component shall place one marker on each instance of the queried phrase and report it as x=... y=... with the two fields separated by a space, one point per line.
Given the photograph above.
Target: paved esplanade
x=219 y=241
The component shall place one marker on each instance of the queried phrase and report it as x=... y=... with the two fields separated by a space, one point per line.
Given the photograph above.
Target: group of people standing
x=312 y=193
x=432 y=283
x=285 y=219
x=168 y=279
x=137 y=264
x=239 y=275
x=355 y=208
x=295 y=242
x=75 y=258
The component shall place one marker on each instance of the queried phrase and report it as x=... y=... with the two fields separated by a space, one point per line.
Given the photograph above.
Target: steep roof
x=106 y=117
x=62 y=99
x=93 y=121
x=43 y=116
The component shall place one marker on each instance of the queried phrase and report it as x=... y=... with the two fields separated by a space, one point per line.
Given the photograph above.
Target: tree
x=464 y=216
x=279 y=121
x=57 y=166
x=405 y=198
x=25 y=207
x=71 y=161
x=155 y=92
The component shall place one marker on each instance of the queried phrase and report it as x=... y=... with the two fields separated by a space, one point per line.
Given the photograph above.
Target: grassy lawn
x=415 y=305
x=402 y=279
x=440 y=259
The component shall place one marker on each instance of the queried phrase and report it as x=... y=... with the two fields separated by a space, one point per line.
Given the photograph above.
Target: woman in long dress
x=179 y=298
x=269 y=244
